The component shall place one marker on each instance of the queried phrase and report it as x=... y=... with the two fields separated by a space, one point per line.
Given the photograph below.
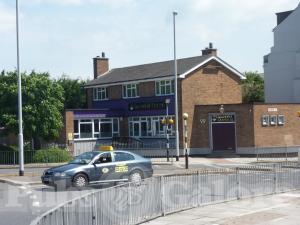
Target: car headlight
x=58 y=174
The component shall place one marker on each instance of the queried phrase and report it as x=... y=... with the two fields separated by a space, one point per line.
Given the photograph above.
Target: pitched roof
x=147 y=71
x=156 y=70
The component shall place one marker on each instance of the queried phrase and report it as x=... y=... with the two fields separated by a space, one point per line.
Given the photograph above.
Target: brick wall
x=101 y=65
x=286 y=135
x=213 y=85
x=89 y=97
x=147 y=89
x=114 y=92
x=69 y=126
x=244 y=125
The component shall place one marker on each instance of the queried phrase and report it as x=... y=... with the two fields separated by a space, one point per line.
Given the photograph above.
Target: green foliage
x=253 y=88
x=6 y=148
x=74 y=93
x=51 y=155
x=42 y=105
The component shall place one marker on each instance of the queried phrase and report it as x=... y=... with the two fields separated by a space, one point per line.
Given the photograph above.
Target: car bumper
x=55 y=181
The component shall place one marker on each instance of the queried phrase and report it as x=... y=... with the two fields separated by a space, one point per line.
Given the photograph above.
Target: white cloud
x=7 y=18
x=111 y=3
x=60 y=2
x=242 y=11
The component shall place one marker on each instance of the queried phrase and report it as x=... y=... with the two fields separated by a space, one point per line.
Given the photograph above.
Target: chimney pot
x=103 y=54
x=210 y=50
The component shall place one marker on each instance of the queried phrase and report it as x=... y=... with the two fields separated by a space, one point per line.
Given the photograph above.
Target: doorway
x=223 y=132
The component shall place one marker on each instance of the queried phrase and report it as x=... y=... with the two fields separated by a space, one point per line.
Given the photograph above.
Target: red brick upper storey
x=211 y=81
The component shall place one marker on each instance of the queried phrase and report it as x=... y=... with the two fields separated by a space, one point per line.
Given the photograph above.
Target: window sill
x=159 y=95
x=99 y=100
x=130 y=97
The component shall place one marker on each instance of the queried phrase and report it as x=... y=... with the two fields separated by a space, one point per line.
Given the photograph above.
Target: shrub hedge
x=51 y=155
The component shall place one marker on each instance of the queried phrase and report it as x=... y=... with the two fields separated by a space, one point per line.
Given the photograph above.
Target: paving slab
x=280 y=209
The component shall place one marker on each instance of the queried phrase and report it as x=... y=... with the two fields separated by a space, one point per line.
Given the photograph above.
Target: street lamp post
x=176 y=95
x=167 y=129
x=21 y=149
x=186 y=155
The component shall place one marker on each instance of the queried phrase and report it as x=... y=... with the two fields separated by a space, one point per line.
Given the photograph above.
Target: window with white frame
x=100 y=93
x=148 y=126
x=130 y=90
x=164 y=87
x=96 y=128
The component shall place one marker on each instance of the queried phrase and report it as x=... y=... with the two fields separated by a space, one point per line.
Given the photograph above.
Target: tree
x=42 y=105
x=74 y=92
x=253 y=88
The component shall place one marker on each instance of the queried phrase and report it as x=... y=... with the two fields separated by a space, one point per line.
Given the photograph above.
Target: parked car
x=97 y=167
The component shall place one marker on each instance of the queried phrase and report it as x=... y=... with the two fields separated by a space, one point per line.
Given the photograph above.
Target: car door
x=124 y=162
x=103 y=168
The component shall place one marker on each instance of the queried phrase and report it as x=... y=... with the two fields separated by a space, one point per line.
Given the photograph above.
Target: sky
x=62 y=36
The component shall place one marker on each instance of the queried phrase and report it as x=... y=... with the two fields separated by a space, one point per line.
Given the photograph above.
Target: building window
x=148 y=127
x=265 y=120
x=130 y=91
x=76 y=129
x=273 y=120
x=96 y=128
x=164 y=87
x=281 y=120
x=85 y=129
x=100 y=93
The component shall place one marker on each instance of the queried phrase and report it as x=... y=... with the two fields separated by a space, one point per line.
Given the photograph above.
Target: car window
x=123 y=156
x=84 y=158
x=104 y=158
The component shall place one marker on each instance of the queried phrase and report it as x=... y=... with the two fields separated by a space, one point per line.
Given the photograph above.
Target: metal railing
x=12 y=157
x=279 y=154
x=158 y=196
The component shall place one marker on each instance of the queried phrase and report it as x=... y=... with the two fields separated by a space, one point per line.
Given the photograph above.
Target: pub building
x=133 y=101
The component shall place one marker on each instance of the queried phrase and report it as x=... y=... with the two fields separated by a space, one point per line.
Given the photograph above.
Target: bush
x=52 y=155
x=7 y=148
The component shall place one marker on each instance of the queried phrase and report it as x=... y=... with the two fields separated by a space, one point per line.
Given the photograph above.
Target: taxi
x=96 y=167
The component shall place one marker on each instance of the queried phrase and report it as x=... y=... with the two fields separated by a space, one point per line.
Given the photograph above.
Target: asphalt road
x=20 y=205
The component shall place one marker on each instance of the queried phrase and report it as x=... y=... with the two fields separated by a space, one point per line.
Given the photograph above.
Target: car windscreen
x=84 y=158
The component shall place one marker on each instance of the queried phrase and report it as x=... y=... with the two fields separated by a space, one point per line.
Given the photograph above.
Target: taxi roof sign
x=106 y=148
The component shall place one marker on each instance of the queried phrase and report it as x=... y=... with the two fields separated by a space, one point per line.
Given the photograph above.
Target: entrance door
x=223 y=136
x=136 y=129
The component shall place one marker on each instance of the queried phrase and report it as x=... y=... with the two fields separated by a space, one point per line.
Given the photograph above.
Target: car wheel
x=80 y=180
x=136 y=177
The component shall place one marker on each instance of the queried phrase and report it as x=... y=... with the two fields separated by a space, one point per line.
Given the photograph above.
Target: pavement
x=281 y=209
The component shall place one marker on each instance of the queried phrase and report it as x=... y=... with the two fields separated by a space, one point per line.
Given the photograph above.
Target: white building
x=282 y=65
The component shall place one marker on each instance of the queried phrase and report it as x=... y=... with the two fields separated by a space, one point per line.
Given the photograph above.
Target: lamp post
x=176 y=95
x=21 y=149
x=167 y=129
x=185 y=118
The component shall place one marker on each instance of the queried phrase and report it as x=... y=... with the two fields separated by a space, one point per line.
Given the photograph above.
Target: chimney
x=101 y=65
x=210 y=50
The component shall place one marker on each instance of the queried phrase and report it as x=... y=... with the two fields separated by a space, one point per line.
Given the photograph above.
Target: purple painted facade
x=121 y=108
